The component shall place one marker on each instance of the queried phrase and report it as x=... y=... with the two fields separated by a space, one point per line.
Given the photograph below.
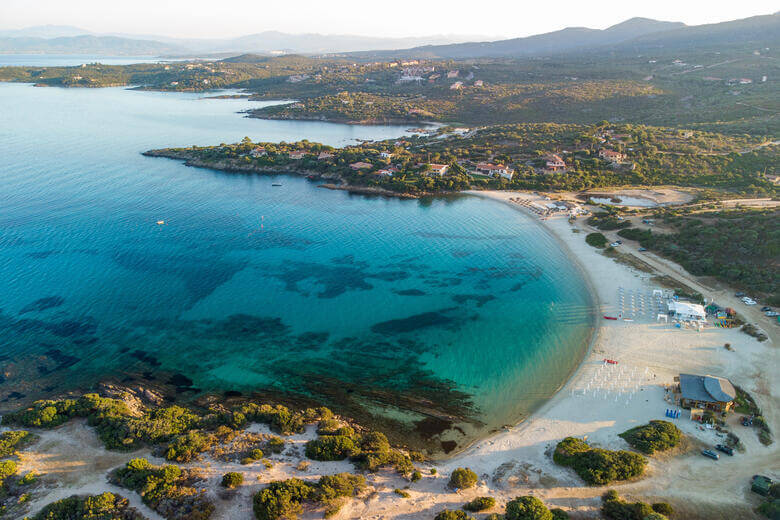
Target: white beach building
x=687 y=311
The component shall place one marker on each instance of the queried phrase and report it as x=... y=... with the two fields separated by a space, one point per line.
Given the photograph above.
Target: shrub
x=331 y=447
x=330 y=487
x=596 y=240
x=655 y=516
x=401 y=493
x=281 y=499
x=613 y=508
x=284 y=499
x=7 y=468
x=106 y=506
x=11 y=440
x=663 y=508
x=568 y=449
x=597 y=466
x=187 y=446
x=450 y=514
x=559 y=514
x=653 y=436
x=167 y=489
x=232 y=479
x=480 y=504
x=416 y=475
x=527 y=508
x=328 y=427
x=462 y=478
x=29 y=478
x=275 y=445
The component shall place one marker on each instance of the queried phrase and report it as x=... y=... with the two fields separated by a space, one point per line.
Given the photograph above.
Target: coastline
x=517 y=460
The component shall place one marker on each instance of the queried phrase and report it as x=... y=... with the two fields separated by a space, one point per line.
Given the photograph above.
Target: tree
x=527 y=508
x=462 y=478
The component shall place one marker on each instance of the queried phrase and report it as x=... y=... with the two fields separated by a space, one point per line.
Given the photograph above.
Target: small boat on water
x=610 y=361
x=276 y=184
x=610 y=318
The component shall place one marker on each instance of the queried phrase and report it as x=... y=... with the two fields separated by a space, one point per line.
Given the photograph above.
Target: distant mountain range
x=636 y=35
x=55 y=39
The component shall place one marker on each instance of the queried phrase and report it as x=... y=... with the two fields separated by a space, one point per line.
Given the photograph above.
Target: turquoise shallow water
x=444 y=318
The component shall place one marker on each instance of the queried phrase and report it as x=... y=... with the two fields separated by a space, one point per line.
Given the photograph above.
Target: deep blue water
x=410 y=311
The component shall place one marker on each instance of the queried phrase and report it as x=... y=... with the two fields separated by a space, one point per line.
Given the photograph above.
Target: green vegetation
x=653 y=436
x=369 y=451
x=737 y=246
x=596 y=240
x=607 y=221
x=462 y=478
x=166 y=489
x=232 y=479
x=30 y=477
x=416 y=475
x=598 y=466
x=614 y=508
x=480 y=504
x=12 y=440
x=105 y=506
x=402 y=493
x=285 y=499
x=527 y=508
x=187 y=446
x=559 y=514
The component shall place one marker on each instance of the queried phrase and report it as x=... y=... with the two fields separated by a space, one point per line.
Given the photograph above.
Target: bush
x=330 y=487
x=166 y=489
x=653 y=436
x=663 y=508
x=613 y=508
x=596 y=240
x=284 y=499
x=29 y=478
x=331 y=447
x=559 y=514
x=597 y=466
x=232 y=479
x=106 y=506
x=275 y=445
x=639 y=235
x=480 y=504
x=11 y=440
x=450 y=514
x=281 y=499
x=527 y=508
x=416 y=475
x=401 y=493
x=187 y=446
x=655 y=516
x=462 y=478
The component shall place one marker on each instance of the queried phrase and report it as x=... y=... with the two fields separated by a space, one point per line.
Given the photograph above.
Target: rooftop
x=706 y=388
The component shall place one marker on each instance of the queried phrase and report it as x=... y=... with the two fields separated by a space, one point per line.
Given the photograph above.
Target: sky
x=229 y=18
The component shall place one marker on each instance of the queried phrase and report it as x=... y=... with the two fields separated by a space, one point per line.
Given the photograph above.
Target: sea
x=439 y=320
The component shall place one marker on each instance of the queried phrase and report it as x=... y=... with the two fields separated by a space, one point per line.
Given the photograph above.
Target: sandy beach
x=597 y=403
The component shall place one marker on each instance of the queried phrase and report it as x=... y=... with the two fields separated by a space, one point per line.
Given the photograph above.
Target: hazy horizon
x=234 y=18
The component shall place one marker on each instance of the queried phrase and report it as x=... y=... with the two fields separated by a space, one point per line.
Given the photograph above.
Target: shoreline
x=517 y=461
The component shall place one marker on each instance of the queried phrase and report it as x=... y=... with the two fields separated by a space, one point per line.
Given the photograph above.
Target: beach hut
x=706 y=392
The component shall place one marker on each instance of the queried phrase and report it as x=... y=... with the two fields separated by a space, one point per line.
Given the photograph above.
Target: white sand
x=517 y=461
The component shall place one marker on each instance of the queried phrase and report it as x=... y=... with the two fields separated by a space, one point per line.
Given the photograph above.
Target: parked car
x=614 y=244
x=773 y=314
x=766 y=308
x=750 y=302
x=747 y=421
x=739 y=294
x=711 y=454
x=642 y=249
x=725 y=449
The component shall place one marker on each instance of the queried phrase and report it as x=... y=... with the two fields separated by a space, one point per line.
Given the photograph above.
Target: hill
x=636 y=34
x=86 y=44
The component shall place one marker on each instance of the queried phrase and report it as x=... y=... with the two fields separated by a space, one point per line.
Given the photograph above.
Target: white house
x=385 y=155
x=439 y=169
x=495 y=169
